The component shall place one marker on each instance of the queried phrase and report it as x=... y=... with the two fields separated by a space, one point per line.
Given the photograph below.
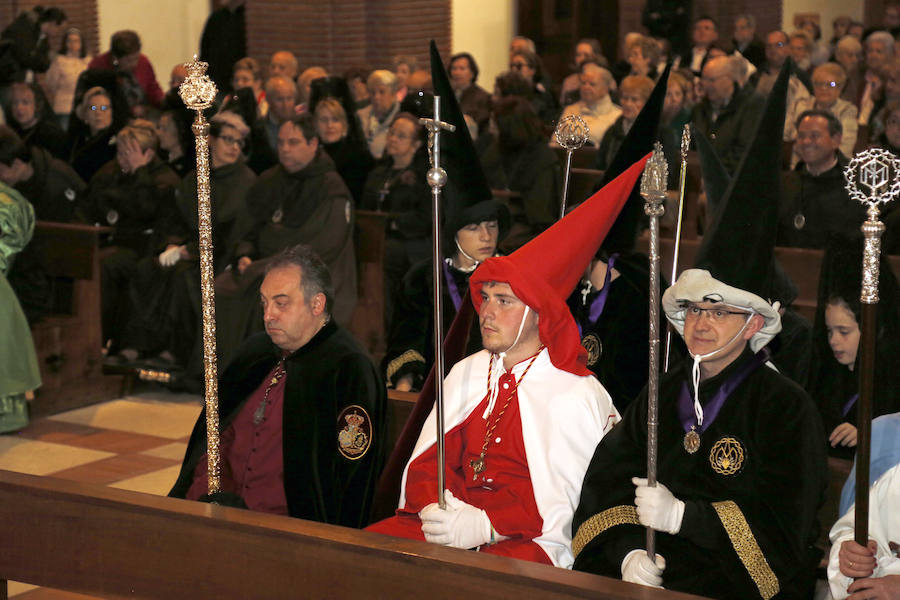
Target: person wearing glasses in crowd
x=91 y=146
x=828 y=83
x=741 y=463
x=528 y=65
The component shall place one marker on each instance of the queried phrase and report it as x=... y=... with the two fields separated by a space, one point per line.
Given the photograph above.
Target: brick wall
x=337 y=34
x=82 y=14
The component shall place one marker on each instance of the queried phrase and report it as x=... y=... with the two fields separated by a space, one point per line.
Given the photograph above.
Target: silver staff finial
x=872 y=177
x=654 y=182
x=572 y=132
x=198 y=91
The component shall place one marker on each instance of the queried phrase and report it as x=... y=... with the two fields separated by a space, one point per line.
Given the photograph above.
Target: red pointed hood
x=543 y=272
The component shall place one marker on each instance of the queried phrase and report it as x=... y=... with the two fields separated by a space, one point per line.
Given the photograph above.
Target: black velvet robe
x=769 y=504
x=623 y=330
x=328 y=374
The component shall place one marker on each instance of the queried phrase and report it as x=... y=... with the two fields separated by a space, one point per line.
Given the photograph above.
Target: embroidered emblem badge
x=594 y=348
x=355 y=432
x=727 y=456
x=112 y=217
x=69 y=194
x=277 y=216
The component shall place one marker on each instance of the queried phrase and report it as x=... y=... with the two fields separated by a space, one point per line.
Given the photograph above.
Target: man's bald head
x=284 y=64
x=719 y=77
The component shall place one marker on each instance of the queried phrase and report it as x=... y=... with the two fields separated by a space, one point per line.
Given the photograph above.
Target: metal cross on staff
x=437 y=177
x=571 y=133
x=198 y=92
x=653 y=190
x=872 y=179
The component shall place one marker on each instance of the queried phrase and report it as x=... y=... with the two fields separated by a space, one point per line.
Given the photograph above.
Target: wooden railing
x=117 y=544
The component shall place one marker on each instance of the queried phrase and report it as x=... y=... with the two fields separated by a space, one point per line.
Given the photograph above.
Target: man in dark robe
x=300 y=200
x=740 y=468
x=302 y=409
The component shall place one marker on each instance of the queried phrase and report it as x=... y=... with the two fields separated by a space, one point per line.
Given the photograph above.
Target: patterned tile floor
x=133 y=443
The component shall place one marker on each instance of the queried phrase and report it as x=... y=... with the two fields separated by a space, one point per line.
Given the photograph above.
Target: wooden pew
x=69 y=341
x=116 y=544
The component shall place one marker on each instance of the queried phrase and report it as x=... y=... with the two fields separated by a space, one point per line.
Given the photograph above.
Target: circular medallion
x=277 y=216
x=354 y=436
x=112 y=217
x=69 y=194
x=692 y=441
x=799 y=221
x=727 y=456
x=594 y=348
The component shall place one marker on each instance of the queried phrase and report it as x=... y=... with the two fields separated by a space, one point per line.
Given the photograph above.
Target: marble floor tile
x=115 y=468
x=157 y=483
x=42 y=458
x=148 y=417
x=175 y=451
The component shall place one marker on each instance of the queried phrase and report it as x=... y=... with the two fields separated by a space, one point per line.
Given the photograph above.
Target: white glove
x=170 y=256
x=657 y=507
x=460 y=525
x=638 y=568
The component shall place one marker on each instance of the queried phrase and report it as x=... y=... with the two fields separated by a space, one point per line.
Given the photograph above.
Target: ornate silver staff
x=198 y=92
x=437 y=177
x=653 y=190
x=682 y=178
x=571 y=133
x=872 y=179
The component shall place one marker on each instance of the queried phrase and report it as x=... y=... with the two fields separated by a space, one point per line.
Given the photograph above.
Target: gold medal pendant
x=477 y=465
x=692 y=441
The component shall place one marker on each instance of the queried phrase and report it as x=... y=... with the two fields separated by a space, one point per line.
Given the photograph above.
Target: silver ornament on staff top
x=198 y=93
x=653 y=190
x=872 y=179
x=571 y=133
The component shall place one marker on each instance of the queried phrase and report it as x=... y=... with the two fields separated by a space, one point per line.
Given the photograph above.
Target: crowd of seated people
x=295 y=151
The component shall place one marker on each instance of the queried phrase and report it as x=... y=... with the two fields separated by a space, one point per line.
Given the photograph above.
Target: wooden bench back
x=114 y=543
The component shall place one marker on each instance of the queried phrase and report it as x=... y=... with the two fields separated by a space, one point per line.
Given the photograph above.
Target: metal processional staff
x=437 y=177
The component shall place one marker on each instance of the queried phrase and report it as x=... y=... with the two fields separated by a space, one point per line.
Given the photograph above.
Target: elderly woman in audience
x=30 y=117
x=848 y=53
x=62 y=76
x=349 y=152
x=378 y=116
x=531 y=168
x=473 y=100
x=246 y=73
x=134 y=194
x=587 y=49
x=828 y=82
x=889 y=74
x=643 y=56
x=595 y=107
x=834 y=380
x=633 y=94
x=165 y=316
x=890 y=138
x=92 y=148
x=676 y=113
x=397 y=186
x=543 y=101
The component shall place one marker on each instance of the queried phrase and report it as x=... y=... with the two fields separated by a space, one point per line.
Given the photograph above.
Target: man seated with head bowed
x=301 y=409
x=523 y=414
x=740 y=467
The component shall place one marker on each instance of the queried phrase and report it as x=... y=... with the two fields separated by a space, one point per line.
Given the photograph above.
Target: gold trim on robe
x=617 y=515
x=747 y=548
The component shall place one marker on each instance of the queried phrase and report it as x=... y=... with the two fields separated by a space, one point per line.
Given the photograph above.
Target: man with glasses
x=740 y=461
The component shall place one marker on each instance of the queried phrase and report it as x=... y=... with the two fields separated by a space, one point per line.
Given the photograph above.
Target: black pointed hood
x=715 y=177
x=467 y=196
x=735 y=263
x=636 y=145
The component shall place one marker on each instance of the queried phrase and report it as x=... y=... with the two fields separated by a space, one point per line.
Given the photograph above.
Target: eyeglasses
x=715 y=314
x=232 y=141
x=100 y=107
x=775 y=45
x=825 y=84
x=518 y=66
